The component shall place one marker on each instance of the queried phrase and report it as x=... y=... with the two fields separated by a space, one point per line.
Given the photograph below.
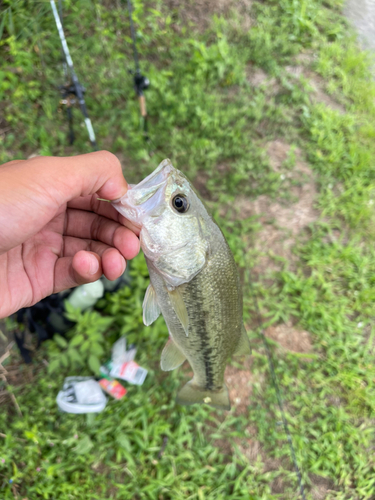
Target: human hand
x=54 y=232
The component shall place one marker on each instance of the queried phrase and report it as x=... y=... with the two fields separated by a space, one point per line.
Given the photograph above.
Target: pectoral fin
x=151 y=309
x=243 y=346
x=179 y=308
x=171 y=357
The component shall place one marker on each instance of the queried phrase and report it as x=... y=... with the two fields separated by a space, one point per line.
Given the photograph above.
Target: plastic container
x=85 y=296
x=81 y=395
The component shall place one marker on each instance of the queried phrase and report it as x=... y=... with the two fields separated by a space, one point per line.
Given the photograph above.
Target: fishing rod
x=141 y=82
x=65 y=89
x=73 y=88
x=276 y=387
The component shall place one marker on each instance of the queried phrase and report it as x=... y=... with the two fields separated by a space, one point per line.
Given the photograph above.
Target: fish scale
x=214 y=308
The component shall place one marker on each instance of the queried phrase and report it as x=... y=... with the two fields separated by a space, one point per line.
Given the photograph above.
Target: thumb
x=70 y=177
x=32 y=191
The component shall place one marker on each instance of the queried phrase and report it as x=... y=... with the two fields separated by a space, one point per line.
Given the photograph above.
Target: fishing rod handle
x=142 y=105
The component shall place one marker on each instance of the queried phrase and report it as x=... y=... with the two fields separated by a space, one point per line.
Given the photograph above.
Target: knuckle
x=100 y=229
x=94 y=204
x=95 y=228
x=110 y=160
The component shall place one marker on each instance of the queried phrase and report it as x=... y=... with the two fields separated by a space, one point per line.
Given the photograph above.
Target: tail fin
x=191 y=394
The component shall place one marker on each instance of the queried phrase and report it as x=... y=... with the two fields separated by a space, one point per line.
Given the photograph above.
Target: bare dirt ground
x=199 y=12
x=302 y=68
x=289 y=338
x=13 y=371
x=282 y=222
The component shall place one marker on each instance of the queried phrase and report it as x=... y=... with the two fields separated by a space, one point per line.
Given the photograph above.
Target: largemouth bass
x=194 y=282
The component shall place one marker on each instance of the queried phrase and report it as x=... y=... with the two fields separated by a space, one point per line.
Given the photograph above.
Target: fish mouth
x=142 y=199
x=158 y=176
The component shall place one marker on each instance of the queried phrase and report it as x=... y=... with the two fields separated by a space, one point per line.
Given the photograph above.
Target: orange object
x=113 y=388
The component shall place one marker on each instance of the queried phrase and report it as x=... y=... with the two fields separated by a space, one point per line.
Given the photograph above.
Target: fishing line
x=276 y=386
x=76 y=88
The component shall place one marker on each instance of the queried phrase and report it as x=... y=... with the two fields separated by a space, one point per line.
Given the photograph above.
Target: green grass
x=208 y=119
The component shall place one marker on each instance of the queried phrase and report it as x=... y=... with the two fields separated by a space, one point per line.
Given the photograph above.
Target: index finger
x=91 y=203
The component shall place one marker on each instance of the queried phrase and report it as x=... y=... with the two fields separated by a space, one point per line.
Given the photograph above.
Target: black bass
x=194 y=282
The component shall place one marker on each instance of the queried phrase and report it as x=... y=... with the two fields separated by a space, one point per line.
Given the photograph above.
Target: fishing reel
x=67 y=91
x=141 y=83
x=69 y=97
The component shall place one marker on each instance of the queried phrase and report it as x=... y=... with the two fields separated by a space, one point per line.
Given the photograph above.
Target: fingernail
x=123 y=266
x=94 y=265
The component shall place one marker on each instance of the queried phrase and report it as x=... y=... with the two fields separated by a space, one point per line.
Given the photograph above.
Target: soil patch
x=200 y=12
x=252 y=450
x=319 y=95
x=257 y=77
x=317 y=83
x=289 y=338
x=250 y=447
x=13 y=370
x=240 y=385
x=320 y=486
x=282 y=221
x=200 y=184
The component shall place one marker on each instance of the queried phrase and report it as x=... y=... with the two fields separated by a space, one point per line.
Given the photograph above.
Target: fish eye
x=180 y=203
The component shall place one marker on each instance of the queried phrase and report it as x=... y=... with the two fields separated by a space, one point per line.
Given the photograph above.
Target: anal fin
x=243 y=346
x=151 y=309
x=171 y=357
